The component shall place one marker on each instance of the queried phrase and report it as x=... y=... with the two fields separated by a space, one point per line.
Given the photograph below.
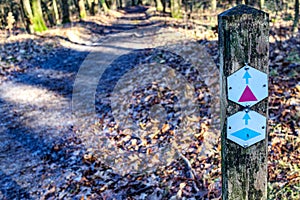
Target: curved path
x=36 y=107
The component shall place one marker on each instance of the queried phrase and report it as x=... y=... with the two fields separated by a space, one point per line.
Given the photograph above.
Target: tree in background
x=55 y=12
x=113 y=5
x=36 y=14
x=39 y=24
x=261 y=4
x=120 y=4
x=89 y=4
x=81 y=6
x=159 y=5
x=296 y=18
x=213 y=5
x=94 y=8
x=176 y=8
x=132 y=2
x=33 y=16
x=65 y=12
x=164 y=3
x=104 y=6
x=28 y=15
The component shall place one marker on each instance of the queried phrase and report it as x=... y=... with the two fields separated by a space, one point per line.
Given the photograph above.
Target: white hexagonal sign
x=247 y=86
x=246 y=127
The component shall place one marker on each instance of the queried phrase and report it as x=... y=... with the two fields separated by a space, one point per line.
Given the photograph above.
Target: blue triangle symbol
x=245 y=134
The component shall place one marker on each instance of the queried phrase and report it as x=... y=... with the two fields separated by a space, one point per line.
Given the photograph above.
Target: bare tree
x=120 y=4
x=39 y=24
x=176 y=8
x=55 y=12
x=81 y=6
x=104 y=6
x=296 y=18
x=213 y=5
x=65 y=11
x=89 y=4
x=33 y=16
x=94 y=8
x=28 y=15
x=159 y=5
x=113 y=5
x=261 y=4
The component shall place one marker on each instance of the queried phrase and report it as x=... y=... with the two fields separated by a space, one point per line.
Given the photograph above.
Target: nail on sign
x=247 y=86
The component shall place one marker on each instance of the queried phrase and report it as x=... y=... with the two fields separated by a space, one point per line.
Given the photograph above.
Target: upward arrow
x=247 y=76
x=246 y=118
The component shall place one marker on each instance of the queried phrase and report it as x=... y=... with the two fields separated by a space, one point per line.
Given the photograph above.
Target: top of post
x=241 y=10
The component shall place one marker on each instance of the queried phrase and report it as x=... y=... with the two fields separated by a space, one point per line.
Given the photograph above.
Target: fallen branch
x=191 y=173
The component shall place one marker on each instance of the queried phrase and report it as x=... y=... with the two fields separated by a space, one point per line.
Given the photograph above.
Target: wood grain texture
x=243 y=38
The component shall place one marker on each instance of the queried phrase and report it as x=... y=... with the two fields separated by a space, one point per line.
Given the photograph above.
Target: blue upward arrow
x=246 y=118
x=247 y=76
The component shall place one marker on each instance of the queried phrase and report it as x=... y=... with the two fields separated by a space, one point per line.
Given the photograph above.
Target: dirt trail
x=36 y=106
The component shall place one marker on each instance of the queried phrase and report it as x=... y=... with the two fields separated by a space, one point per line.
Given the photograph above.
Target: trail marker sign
x=244 y=38
x=246 y=127
x=247 y=86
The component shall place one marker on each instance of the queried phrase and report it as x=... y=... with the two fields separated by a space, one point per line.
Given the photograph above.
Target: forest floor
x=55 y=146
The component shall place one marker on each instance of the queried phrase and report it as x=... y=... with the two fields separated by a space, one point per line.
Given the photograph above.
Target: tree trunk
x=133 y=3
x=139 y=2
x=55 y=12
x=28 y=15
x=94 y=9
x=65 y=12
x=81 y=6
x=164 y=4
x=231 y=2
x=213 y=5
x=120 y=3
x=113 y=5
x=89 y=3
x=22 y=15
x=92 y=6
x=39 y=24
x=240 y=2
x=104 y=6
x=296 y=18
x=159 y=5
x=261 y=4
x=175 y=8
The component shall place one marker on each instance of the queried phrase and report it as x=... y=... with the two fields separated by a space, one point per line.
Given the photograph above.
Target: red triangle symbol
x=247 y=95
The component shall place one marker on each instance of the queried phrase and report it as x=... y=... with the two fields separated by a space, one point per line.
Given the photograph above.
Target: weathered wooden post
x=244 y=55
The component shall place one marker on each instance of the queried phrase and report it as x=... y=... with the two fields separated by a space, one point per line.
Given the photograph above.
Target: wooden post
x=243 y=38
